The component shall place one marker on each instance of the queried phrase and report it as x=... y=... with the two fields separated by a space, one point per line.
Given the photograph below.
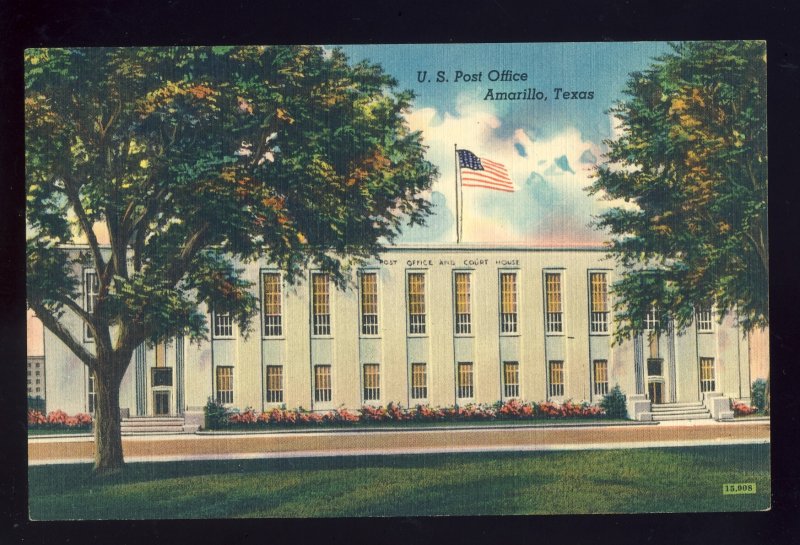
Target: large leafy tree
x=691 y=167
x=194 y=159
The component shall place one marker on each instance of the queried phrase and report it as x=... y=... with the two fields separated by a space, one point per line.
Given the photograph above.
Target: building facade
x=434 y=324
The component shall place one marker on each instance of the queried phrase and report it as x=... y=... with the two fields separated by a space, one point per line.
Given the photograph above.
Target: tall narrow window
x=419 y=381
x=92 y=394
x=224 y=384
x=707 y=382
x=322 y=383
x=372 y=382
x=556 y=378
x=508 y=302
x=705 y=323
x=553 y=317
x=600 y=377
x=273 y=320
x=274 y=384
x=91 y=289
x=651 y=318
x=369 y=303
x=223 y=325
x=416 y=303
x=465 y=384
x=463 y=304
x=599 y=302
x=321 y=299
x=511 y=379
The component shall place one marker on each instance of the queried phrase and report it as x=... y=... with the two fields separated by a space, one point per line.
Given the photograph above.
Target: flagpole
x=458 y=209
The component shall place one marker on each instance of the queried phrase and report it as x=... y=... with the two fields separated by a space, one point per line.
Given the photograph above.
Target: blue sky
x=549 y=146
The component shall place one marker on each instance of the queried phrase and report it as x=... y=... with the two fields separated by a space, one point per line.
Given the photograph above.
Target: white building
x=435 y=324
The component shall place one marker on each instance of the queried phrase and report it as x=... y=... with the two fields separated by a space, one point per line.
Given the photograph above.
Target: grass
x=64 y=431
x=605 y=481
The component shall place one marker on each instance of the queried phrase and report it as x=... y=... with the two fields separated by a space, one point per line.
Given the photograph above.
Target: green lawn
x=605 y=481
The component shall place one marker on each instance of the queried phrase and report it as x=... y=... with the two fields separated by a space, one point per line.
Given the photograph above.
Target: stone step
x=690 y=404
x=664 y=417
x=147 y=420
x=690 y=410
x=152 y=429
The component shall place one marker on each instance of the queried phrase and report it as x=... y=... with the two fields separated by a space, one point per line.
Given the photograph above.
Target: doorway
x=161 y=402
x=656 y=391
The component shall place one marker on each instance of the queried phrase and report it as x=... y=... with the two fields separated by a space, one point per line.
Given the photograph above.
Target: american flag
x=480 y=172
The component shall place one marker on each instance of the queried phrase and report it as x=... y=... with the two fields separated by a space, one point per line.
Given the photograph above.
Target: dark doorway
x=161 y=403
x=656 y=391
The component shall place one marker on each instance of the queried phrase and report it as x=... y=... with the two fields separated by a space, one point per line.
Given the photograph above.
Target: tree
x=691 y=167
x=194 y=159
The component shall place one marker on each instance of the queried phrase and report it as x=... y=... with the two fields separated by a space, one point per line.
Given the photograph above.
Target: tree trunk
x=107 y=433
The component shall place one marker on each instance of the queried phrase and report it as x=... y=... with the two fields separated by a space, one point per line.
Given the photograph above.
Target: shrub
x=615 y=403
x=216 y=415
x=741 y=409
x=58 y=420
x=758 y=395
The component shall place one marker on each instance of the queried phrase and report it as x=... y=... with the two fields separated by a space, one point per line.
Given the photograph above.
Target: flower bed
x=742 y=409
x=218 y=417
x=58 y=420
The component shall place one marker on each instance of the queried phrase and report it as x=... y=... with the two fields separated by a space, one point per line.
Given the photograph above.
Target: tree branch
x=51 y=323
x=75 y=201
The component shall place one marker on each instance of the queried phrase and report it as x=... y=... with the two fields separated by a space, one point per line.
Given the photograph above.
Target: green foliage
x=216 y=415
x=615 y=403
x=758 y=394
x=691 y=168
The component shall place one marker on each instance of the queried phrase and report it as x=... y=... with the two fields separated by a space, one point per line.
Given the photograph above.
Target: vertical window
x=322 y=383
x=556 y=378
x=273 y=322
x=92 y=394
x=508 y=302
x=651 y=318
x=416 y=303
x=223 y=325
x=553 y=315
x=463 y=308
x=511 y=379
x=600 y=377
x=599 y=302
x=372 y=382
x=225 y=384
x=321 y=300
x=707 y=383
x=369 y=303
x=705 y=323
x=465 y=384
x=419 y=381
x=91 y=289
x=274 y=384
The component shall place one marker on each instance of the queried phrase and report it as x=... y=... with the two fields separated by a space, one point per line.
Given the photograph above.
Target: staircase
x=135 y=425
x=680 y=411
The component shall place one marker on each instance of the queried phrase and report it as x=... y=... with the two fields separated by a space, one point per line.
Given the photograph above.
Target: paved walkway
x=289 y=445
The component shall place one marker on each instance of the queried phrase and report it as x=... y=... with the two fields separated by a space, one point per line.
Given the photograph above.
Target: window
x=463 y=313
x=322 y=383
x=321 y=301
x=273 y=322
x=508 y=302
x=38 y=373
x=599 y=302
x=651 y=318
x=707 y=375
x=91 y=401
x=655 y=367
x=223 y=325
x=419 y=381
x=465 y=385
x=600 y=377
x=553 y=315
x=511 y=379
x=556 y=378
x=38 y=381
x=274 y=384
x=705 y=323
x=91 y=289
x=224 y=384
x=162 y=376
x=372 y=382
x=416 y=303
x=369 y=303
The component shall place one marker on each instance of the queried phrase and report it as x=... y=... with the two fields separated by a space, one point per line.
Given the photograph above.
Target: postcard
x=397 y=280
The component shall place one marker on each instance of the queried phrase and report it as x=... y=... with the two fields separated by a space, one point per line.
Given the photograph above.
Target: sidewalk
x=319 y=443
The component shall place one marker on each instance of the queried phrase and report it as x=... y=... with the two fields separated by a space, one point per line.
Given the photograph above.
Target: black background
x=137 y=22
